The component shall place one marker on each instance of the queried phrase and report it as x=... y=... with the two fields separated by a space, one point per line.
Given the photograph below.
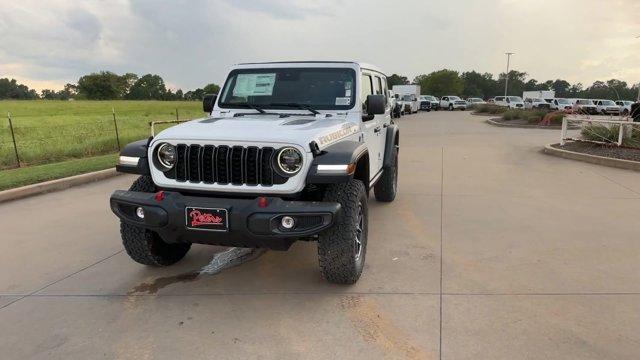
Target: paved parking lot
x=492 y=250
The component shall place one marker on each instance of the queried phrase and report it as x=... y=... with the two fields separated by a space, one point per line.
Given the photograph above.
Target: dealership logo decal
x=346 y=130
x=198 y=218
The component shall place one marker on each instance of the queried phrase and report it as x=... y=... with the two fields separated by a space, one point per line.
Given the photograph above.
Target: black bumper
x=248 y=224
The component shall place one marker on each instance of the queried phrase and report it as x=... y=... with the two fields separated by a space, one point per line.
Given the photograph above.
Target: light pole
x=506 y=78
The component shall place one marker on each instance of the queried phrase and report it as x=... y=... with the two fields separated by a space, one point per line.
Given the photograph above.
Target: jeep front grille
x=235 y=165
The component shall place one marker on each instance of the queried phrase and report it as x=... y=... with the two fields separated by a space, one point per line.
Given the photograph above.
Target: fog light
x=140 y=212
x=288 y=222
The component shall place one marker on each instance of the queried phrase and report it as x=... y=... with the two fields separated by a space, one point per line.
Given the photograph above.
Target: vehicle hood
x=300 y=130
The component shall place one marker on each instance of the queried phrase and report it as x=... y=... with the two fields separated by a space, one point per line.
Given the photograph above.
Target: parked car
x=472 y=102
x=491 y=100
x=546 y=95
x=435 y=102
x=409 y=104
x=536 y=103
x=512 y=102
x=561 y=104
x=606 y=107
x=393 y=104
x=409 y=96
x=452 y=102
x=625 y=106
x=273 y=162
x=584 y=106
x=425 y=104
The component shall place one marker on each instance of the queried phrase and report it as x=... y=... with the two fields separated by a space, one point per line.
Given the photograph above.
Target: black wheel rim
x=359 y=232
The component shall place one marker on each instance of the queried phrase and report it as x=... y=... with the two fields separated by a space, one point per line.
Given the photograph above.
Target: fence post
x=563 y=132
x=13 y=137
x=620 y=134
x=177 y=117
x=115 y=125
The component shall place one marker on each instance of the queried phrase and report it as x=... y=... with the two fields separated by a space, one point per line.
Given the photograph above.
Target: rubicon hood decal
x=347 y=130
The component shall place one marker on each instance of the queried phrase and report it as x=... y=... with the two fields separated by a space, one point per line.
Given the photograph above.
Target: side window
x=366 y=90
x=377 y=86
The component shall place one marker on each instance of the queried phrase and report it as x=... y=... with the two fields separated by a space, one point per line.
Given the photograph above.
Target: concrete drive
x=492 y=250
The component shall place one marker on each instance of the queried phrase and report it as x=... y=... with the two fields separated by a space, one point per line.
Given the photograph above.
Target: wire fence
x=25 y=142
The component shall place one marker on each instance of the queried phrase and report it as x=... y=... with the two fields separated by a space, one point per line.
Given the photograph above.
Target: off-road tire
x=387 y=187
x=145 y=246
x=337 y=246
x=450 y=107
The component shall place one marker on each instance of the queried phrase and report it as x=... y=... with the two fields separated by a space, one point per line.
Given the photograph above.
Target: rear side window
x=366 y=90
x=377 y=86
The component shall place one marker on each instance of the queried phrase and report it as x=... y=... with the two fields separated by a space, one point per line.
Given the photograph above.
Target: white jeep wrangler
x=289 y=152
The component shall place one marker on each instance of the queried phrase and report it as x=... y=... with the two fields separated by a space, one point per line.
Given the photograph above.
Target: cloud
x=191 y=43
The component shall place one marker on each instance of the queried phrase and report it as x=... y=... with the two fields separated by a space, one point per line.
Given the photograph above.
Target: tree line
x=484 y=85
x=106 y=85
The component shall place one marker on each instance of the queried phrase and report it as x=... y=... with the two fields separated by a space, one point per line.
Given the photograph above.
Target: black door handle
x=377 y=129
x=385 y=125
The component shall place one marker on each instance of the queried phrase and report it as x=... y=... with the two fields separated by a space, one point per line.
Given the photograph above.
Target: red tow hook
x=159 y=196
x=262 y=202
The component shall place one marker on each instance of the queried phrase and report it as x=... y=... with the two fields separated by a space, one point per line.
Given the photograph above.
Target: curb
x=593 y=159
x=501 y=124
x=55 y=185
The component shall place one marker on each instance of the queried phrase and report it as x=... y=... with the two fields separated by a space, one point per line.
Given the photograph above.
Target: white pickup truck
x=452 y=102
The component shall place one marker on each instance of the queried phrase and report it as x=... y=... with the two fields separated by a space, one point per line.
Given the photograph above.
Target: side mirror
x=208 y=101
x=375 y=104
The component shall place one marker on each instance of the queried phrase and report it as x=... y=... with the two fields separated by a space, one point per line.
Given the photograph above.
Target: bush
x=531 y=116
x=601 y=133
x=489 y=109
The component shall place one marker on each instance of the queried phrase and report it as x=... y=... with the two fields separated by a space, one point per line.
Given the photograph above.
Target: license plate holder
x=206 y=219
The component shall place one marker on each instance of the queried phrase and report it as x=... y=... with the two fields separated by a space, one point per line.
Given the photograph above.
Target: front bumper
x=248 y=224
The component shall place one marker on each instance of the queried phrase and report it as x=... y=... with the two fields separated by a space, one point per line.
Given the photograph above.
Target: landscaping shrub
x=597 y=132
x=532 y=117
x=489 y=109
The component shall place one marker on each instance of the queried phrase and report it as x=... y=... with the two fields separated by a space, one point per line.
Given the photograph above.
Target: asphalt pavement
x=492 y=250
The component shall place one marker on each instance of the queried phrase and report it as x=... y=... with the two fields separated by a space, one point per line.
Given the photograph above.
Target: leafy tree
x=396 y=79
x=441 y=83
x=561 y=87
x=10 y=89
x=104 y=85
x=148 y=87
x=478 y=85
x=211 y=89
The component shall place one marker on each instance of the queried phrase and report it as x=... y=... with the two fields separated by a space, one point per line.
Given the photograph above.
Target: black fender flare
x=136 y=149
x=392 y=142
x=341 y=153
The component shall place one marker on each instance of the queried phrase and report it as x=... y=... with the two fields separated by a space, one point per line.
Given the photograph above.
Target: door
x=372 y=128
x=383 y=120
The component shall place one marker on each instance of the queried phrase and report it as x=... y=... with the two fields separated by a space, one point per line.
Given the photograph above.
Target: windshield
x=280 y=88
x=538 y=100
x=407 y=98
x=515 y=98
x=454 y=98
x=563 y=101
x=430 y=98
x=608 y=102
x=584 y=102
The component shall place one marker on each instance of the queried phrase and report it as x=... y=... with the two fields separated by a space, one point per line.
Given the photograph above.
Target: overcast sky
x=46 y=44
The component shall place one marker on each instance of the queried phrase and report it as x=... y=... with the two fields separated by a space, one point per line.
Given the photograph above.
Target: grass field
x=54 y=131
x=38 y=173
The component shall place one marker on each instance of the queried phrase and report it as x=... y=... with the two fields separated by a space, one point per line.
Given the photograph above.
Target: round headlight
x=289 y=160
x=167 y=155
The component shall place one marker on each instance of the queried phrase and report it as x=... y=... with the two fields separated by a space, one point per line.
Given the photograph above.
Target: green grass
x=49 y=131
x=39 y=173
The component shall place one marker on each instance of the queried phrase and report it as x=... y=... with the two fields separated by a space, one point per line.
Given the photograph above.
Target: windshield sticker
x=254 y=84
x=347 y=93
x=343 y=101
x=346 y=130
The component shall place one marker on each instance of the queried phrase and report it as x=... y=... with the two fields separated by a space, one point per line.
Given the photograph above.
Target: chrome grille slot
x=194 y=163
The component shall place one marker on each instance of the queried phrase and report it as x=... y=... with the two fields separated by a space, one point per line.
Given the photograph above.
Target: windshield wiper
x=299 y=106
x=250 y=106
